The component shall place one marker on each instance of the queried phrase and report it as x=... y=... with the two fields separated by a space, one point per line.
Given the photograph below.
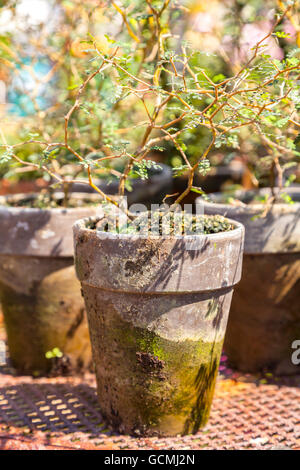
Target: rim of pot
x=45 y=232
x=90 y=197
x=81 y=224
x=294 y=192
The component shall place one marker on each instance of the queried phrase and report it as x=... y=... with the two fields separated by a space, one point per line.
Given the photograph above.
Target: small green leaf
x=281 y=34
x=72 y=87
x=197 y=190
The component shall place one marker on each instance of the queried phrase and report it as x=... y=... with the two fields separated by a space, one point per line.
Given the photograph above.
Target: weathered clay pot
x=40 y=294
x=157 y=315
x=265 y=315
x=151 y=190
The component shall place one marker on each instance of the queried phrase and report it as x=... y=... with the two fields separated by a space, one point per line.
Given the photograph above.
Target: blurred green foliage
x=111 y=118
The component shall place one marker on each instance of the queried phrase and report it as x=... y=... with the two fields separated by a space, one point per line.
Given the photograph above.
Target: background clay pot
x=148 y=191
x=264 y=318
x=24 y=186
x=40 y=294
x=157 y=315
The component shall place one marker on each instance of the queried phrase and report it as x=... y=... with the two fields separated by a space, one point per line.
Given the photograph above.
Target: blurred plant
x=225 y=34
x=146 y=88
x=44 y=60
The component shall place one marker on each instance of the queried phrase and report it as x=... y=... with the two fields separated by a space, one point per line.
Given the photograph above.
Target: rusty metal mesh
x=63 y=412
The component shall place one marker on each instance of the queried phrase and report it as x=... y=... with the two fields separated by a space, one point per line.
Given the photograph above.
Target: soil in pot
x=40 y=295
x=264 y=318
x=157 y=314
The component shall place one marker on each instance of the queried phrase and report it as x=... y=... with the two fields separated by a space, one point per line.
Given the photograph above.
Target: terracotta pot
x=40 y=295
x=157 y=314
x=265 y=316
x=25 y=186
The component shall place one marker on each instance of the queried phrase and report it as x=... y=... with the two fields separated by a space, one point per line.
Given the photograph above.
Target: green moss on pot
x=159 y=384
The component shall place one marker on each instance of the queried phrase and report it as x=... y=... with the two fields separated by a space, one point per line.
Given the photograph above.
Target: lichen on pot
x=262 y=328
x=157 y=315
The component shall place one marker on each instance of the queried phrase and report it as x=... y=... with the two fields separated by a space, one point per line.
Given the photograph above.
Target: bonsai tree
x=145 y=68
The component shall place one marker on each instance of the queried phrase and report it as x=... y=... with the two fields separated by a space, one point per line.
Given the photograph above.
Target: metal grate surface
x=63 y=413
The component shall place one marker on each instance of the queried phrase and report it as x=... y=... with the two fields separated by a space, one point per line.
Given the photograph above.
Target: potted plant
x=264 y=319
x=148 y=299
x=157 y=321
x=41 y=301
